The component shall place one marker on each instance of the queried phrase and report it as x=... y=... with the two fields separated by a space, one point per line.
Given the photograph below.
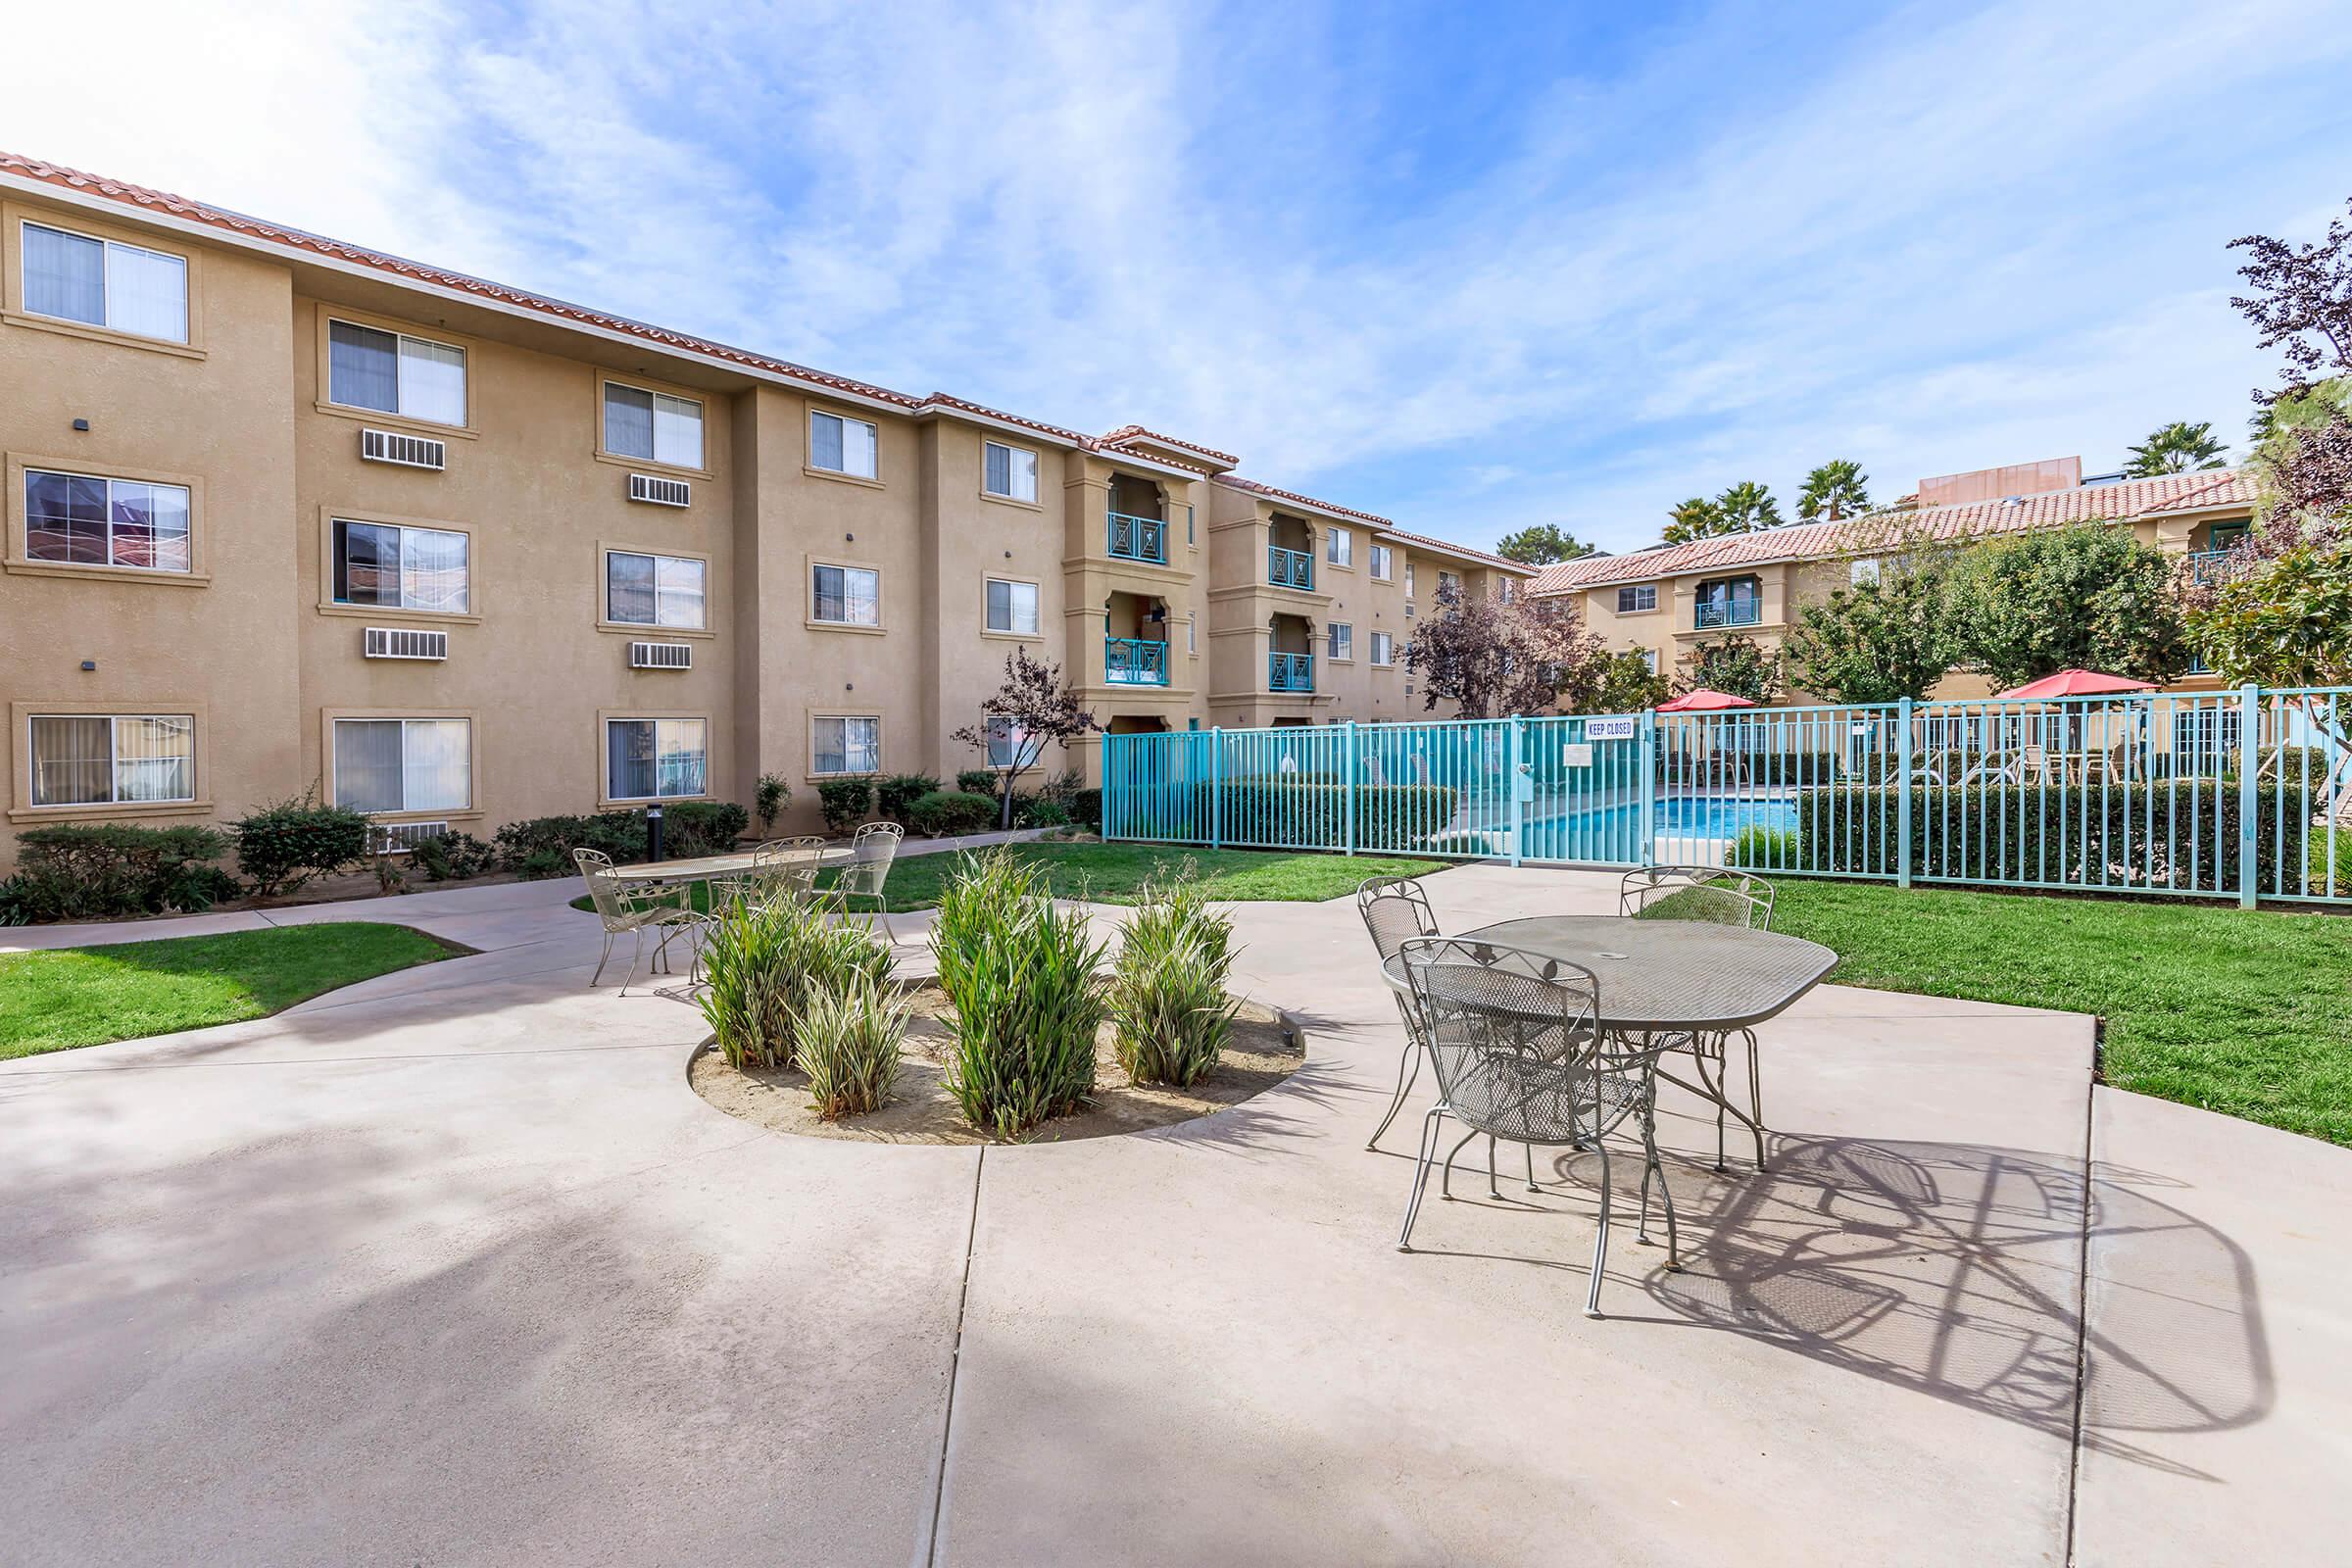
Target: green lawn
x=2248 y=1012
x=67 y=996
x=1111 y=873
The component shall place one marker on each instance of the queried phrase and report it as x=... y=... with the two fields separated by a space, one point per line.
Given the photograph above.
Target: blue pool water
x=1614 y=832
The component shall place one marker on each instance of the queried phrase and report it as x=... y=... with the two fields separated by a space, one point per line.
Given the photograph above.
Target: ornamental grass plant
x=1168 y=1001
x=849 y=1043
x=765 y=960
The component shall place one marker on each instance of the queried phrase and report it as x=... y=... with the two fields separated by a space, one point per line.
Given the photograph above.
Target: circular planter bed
x=1265 y=1048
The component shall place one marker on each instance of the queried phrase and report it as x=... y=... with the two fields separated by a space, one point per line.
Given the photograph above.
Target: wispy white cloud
x=1723 y=246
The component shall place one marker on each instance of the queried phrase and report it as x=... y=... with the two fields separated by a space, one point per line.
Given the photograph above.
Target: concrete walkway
x=452 y=1266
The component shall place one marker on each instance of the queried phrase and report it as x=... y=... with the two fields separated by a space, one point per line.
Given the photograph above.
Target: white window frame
x=114 y=752
x=1650 y=657
x=1003 y=731
x=1012 y=468
x=1635 y=590
x=603 y=419
x=1383 y=650
x=1192 y=636
x=334 y=757
x=106 y=283
x=188 y=508
x=843 y=568
x=335 y=526
x=661 y=563
x=1339 y=546
x=1340 y=641
x=873 y=443
x=1408 y=579
x=605 y=756
x=1384 y=563
x=844 y=771
x=1011 y=606
x=400 y=382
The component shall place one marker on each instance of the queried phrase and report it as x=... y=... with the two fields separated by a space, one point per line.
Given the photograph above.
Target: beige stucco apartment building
x=1667 y=600
x=284 y=515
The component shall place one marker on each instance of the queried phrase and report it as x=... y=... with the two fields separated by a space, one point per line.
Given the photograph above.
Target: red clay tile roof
x=1448 y=547
x=1121 y=442
x=1235 y=481
x=2130 y=498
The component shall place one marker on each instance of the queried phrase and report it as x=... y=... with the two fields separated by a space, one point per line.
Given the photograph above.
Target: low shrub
x=943 y=814
x=542 y=846
x=895 y=795
x=85 y=872
x=1764 y=847
x=765 y=959
x=769 y=797
x=702 y=827
x=1019 y=978
x=1087 y=806
x=281 y=847
x=850 y=1041
x=540 y=864
x=453 y=857
x=846 y=802
x=1169 y=1002
x=977 y=781
x=1041 y=811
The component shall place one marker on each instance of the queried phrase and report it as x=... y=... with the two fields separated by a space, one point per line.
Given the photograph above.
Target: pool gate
x=2242 y=794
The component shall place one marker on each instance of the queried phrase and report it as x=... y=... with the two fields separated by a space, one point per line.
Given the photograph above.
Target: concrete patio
x=452 y=1266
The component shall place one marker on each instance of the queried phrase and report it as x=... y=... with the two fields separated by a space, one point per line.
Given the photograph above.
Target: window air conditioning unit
x=398 y=837
x=406 y=451
x=660 y=656
x=658 y=491
x=402 y=642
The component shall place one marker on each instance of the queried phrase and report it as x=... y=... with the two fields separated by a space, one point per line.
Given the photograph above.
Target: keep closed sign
x=1613 y=727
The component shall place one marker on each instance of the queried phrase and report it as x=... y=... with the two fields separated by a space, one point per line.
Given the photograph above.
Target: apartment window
x=386 y=568
x=1637 y=597
x=1339 y=550
x=1729 y=602
x=1343 y=640
x=1006 y=742
x=1450 y=582
x=1649 y=660
x=654 y=590
x=84 y=521
x=1505 y=588
x=1408 y=579
x=404 y=764
x=1384 y=563
x=652 y=426
x=841 y=446
x=1192 y=636
x=848 y=596
x=1012 y=606
x=654 y=759
x=108 y=759
x=392 y=372
x=104 y=282
x=1384 y=648
x=1011 y=471
x=1864 y=569
x=849 y=746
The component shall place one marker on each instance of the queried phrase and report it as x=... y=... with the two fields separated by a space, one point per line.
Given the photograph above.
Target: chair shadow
x=1952 y=1271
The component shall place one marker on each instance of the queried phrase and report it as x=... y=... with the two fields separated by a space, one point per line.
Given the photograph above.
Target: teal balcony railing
x=1133 y=661
x=1290 y=673
x=1730 y=612
x=1290 y=568
x=2208 y=565
x=1134 y=538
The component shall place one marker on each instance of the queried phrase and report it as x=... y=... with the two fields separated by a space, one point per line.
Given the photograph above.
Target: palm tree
x=2177 y=448
x=1836 y=490
x=1695 y=518
x=1747 y=506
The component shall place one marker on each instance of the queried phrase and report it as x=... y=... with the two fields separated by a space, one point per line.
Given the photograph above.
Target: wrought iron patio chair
x=1395 y=910
x=1515 y=1041
x=871 y=852
x=667 y=912
x=780 y=867
x=1724 y=898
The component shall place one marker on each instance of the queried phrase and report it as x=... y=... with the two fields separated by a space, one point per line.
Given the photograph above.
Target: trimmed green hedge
x=84 y=870
x=2178 y=835
x=1291 y=813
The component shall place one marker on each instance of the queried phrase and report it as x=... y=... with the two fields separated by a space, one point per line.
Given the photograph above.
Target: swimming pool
x=1614 y=832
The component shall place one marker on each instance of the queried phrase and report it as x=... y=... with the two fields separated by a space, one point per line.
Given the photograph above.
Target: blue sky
x=1470 y=267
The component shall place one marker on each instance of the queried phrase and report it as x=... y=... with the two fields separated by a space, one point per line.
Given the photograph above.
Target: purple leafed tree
x=1031 y=710
x=1492 y=657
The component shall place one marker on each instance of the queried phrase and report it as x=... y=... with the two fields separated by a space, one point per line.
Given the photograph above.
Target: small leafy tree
x=1624 y=683
x=1491 y=656
x=768 y=796
x=2177 y=448
x=1031 y=710
x=2087 y=597
x=1876 y=642
x=1736 y=666
x=1541 y=545
x=1837 y=490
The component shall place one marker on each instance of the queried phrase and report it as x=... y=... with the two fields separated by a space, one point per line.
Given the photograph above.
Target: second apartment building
x=286 y=515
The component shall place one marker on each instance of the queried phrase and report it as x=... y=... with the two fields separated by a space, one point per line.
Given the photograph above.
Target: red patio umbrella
x=2077 y=683
x=1703 y=701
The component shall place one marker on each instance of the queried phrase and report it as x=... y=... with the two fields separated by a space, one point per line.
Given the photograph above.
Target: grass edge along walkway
x=1115 y=873
x=2246 y=1013
x=61 y=998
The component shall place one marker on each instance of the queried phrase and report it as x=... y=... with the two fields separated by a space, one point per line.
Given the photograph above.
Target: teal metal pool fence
x=2243 y=794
